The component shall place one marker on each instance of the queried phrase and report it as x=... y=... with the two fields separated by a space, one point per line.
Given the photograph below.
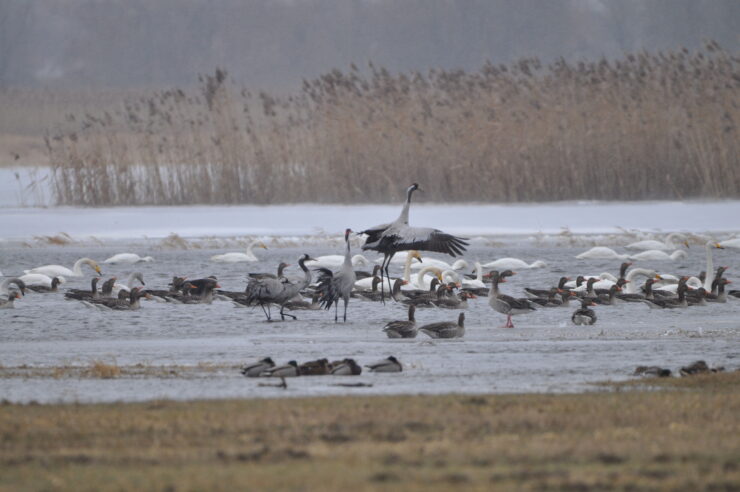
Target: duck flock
x=333 y=283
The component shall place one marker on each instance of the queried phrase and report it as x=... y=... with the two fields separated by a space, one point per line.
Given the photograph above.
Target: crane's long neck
x=306 y=271
x=347 y=257
x=710 y=268
x=404 y=217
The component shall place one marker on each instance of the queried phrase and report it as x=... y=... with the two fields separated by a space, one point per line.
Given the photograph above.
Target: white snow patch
x=561 y=218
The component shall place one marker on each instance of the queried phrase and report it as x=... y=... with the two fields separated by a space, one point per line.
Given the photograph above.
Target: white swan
x=239 y=257
x=514 y=264
x=400 y=258
x=709 y=246
x=658 y=255
x=731 y=243
x=335 y=261
x=127 y=258
x=4 y=285
x=601 y=253
x=606 y=280
x=117 y=287
x=631 y=287
x=418 y=281
x=59 y=270
x=477 y=282
x=39 y=279
x=367 y=283
x=606 y=276
x=457 y=265
x=669 y=283
x=666 y=245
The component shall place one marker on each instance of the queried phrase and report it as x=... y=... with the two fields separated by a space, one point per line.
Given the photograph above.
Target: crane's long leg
x=336 y=310
x=283 y=315
x=267 y=313
x=382 y=282
x=345 y=309
x=388 y=275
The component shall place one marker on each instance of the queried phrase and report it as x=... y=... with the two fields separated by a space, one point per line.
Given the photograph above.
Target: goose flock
x=328 y=281
x=266 y=367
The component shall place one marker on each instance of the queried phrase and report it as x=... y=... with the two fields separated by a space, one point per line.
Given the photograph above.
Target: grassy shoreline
x=683 y=437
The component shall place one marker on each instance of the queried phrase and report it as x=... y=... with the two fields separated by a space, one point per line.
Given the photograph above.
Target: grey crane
x=399 y=236
x=266 y=291
x=333 y=286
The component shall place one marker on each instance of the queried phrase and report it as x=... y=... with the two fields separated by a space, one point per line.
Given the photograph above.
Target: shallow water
x=544 y=353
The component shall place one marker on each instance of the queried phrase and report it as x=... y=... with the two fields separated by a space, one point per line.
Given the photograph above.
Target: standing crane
x=333 y=286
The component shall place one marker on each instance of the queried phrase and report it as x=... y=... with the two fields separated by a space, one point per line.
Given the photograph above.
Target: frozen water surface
x=544 y=353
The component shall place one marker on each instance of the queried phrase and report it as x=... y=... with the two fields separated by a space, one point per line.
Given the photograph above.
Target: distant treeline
x=648 y=126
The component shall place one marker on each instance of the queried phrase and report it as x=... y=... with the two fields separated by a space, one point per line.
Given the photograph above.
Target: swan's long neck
x=450 y=276
x=478 y=272
x=12 y=280
x=77 y=268
x=249 y=248
x=423 y=272
x=672 y=237
x=407 y=268
x=631 y=286
x=710 y=268
x=130 y=280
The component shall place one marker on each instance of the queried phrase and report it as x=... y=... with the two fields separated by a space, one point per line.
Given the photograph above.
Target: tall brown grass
x=648 y=126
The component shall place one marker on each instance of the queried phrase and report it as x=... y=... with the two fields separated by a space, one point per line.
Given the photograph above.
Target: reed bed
x=657 y=125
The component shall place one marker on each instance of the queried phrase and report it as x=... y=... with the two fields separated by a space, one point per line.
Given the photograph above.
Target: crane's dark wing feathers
x=261 y=291
x=423 y=239
x=374 y=235
x=327 y=288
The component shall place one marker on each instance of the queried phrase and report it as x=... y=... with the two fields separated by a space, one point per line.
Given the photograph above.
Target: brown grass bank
x=648 y=126
x=682 y=438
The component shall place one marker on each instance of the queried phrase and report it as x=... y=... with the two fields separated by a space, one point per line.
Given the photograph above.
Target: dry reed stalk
x=648 y=126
